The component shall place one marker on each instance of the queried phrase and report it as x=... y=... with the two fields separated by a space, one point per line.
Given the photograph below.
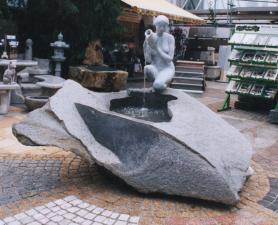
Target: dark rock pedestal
x=100 y=79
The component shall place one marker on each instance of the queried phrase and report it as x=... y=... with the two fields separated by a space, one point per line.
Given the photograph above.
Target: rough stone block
x=194 y=154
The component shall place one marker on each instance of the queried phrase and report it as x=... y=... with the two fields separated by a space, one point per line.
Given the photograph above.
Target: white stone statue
x=9 y=76
x=159 y=49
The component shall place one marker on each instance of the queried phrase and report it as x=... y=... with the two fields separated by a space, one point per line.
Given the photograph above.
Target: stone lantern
x=58 y=57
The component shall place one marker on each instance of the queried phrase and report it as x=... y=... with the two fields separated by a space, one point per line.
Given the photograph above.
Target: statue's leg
x=150 y=72
x=164 y=77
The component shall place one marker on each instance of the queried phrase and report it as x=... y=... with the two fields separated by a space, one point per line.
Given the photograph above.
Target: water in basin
x=146 y=106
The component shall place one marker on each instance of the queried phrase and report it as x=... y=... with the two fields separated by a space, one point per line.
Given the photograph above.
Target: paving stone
x=31 y=212
x=14 y=223
x=65 y=222
x=1 y=222
x=92 y=207
x=90 y=216
x=57 y=218
x=134 y=219
x=51 y=214
x=45 y=211
x=20 y=216
x=120 y=223
x=106 y=213
x=73 y=209
x=34 y=223
x=98 y=210
x=27 y=220
x=60 y=202
x=40 y=208
x=76 y=202
x=38 y=216
x=99 y=219
x=70 y=198
x=50 y=204
x=66 y=206
x=78 y=220
x=109 y=221
x=55 y=209
x=69 y=216
x=83 y=205
x=96 y=223
x=114 y=215
x=61 y=212
x=9 y=219
x=124 y=217
x=52 y=223
x=87 y=222
x=82 y=212
x=44 y=220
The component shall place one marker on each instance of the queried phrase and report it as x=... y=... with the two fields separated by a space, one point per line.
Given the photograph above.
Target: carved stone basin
x=186 y=150
x=149 y=106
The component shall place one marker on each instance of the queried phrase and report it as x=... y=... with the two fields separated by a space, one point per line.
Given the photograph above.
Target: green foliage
x=79 y=20
x=4 y=11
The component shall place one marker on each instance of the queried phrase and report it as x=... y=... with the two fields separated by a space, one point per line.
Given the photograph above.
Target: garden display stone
x=29 y=50
x=50 y=82
x=5 y=96
x=195 y=154
x=104 y=80
x=59 y=47
x=36 y=94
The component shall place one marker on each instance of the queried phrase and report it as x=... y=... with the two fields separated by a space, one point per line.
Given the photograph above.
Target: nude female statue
x=159 y=49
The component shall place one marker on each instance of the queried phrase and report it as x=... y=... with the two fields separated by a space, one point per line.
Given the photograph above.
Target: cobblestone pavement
x=21 y=179
x=34 y=180
x=270 y=201
x=70 y=210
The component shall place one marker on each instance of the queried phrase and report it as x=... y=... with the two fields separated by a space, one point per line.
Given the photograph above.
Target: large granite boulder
x=41 y=128
x=185 y=149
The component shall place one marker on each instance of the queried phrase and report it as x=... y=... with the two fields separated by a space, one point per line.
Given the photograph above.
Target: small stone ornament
x=29 y=49
x=10 y=74
x=58 y=57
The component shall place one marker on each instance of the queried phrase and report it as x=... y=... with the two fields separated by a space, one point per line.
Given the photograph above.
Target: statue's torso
x=163 y=43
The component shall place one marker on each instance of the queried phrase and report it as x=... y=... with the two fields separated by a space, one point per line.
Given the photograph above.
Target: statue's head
x=162 y=24
x=12 y=64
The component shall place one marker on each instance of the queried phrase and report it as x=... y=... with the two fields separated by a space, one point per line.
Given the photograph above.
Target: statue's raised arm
x=159 y=50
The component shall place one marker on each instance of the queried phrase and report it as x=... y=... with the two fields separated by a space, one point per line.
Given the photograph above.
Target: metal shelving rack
x=252 y=74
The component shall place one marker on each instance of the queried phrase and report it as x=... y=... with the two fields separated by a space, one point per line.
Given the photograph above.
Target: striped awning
x=162 y=7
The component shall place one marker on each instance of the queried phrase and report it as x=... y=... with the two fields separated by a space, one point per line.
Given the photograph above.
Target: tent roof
x=162 y=7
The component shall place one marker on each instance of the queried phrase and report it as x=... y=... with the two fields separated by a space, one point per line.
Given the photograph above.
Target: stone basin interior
x=130 y=141
x=148 y=106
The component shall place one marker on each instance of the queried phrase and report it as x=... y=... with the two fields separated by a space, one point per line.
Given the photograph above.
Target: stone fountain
x=177 y=146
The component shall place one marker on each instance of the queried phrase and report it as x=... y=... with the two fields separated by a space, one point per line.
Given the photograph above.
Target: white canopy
x=162 y=7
